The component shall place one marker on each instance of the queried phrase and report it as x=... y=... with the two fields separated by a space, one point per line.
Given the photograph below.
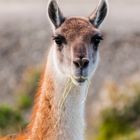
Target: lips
x=80 y=79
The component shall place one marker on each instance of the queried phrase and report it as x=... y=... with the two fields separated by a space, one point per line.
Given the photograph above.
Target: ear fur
x=98 y=16
x=54 y=13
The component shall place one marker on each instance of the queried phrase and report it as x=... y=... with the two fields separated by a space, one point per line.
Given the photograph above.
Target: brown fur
x=78 y=33
x=14 y=137
x=46 y=120
x=73 y=27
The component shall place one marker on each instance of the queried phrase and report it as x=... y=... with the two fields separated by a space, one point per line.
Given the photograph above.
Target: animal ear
x=98 y=16
x=55 y=14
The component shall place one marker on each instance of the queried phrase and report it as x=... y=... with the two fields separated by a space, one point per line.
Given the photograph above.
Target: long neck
x=49 y=120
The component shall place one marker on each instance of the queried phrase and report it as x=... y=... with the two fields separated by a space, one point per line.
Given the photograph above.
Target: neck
x=59 y=111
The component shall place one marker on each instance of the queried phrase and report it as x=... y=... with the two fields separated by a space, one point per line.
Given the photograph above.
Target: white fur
x=94 y=67
x=72 y=123
x=55 y=61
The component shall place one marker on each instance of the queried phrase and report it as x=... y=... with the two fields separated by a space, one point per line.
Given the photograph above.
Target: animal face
x=76 y=42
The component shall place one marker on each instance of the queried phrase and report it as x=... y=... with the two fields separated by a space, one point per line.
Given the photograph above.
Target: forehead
x=76 y=27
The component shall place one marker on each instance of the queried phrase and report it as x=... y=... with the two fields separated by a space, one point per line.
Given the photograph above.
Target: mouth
x=79 y=79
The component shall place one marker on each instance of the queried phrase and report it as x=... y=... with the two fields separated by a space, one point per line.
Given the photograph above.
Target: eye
x=59 y=40
x=95 y=40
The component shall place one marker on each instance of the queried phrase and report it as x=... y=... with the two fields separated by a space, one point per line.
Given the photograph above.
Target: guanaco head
x=76 y=41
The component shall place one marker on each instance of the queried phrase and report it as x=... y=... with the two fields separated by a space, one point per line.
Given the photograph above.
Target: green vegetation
x=12 y=120
x=25 y=102
x=114 y=124
x=28 y=88
x=122 y=123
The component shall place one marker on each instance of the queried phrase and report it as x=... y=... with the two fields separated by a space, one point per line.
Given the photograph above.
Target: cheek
x=93 y=63
x=64 y=59
x=94 y=59
x=60 y=57
x=67 y=56
x=94 y=56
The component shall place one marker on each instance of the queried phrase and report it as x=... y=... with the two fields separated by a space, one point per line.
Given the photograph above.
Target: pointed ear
x=54 y=14
x=98 y=16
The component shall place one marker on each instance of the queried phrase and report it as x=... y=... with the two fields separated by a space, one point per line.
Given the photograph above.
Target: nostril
x=77 y=64
x=81 y=63
x=85 y=62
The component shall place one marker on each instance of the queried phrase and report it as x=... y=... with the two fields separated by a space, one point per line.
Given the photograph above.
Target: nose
x=81 y=62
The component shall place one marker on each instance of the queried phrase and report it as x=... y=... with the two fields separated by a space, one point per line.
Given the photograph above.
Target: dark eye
x=59 y=40
x=95 y=40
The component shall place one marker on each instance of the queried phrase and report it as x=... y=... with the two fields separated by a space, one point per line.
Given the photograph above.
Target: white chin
x=78 y=80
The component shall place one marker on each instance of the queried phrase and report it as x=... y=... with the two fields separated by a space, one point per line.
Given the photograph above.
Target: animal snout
x=81 y=62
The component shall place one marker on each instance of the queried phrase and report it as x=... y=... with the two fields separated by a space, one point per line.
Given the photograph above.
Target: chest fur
x=71 y=121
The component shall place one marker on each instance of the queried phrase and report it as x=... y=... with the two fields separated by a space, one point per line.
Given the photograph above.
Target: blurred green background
x=113 y=104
